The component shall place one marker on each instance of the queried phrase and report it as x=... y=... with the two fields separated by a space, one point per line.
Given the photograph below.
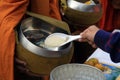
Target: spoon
x=59 y=39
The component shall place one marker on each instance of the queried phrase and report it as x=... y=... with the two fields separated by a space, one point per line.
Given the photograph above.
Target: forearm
x=109 y=42
x=101 y=39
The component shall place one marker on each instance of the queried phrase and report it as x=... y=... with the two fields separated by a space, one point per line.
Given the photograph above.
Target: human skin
x=88 y=35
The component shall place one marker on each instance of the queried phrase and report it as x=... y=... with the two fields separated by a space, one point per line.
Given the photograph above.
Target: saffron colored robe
x=111 y=17
x=11 y=12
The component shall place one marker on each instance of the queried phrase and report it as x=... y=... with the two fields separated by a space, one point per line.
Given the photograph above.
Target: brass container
x=39 y=59
x=80 y=13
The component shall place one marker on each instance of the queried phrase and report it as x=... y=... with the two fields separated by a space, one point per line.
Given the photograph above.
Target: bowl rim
x=79 y=6
x=39 y=50
x=74 y=64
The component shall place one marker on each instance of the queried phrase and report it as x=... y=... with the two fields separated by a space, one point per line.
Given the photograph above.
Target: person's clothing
x=46 y=7
x=109 y=42
x=110 y=18
x=11 y=12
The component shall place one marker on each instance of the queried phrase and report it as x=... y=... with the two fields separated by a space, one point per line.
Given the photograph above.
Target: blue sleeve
x=109 y=42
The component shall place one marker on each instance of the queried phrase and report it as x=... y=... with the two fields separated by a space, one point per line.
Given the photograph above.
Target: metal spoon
x=67 y=39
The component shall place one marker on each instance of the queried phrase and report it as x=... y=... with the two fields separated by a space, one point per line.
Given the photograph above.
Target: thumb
x=82 y=39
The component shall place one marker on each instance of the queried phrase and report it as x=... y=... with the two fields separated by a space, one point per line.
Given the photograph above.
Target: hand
x=21 y=66
x=88 y=35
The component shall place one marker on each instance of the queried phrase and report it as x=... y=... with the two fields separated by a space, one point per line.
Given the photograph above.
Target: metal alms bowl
x=81 y=6
x=80 y=13
x=76 y=71
x=32 y=34
x=29 y=44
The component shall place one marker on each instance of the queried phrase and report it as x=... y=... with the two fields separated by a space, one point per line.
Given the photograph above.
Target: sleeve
x=109 y=42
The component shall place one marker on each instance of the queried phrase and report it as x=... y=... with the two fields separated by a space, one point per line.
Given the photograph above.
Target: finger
x=82 y=40
x=22 y=69
x=20 y=62
x=27 y=71
x=33 y=74
x=94 y=46
x=84 y=34
x=90 y=43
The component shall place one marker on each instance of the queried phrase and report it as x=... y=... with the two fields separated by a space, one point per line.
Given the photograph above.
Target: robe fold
x=111 y=17
x=11 y=12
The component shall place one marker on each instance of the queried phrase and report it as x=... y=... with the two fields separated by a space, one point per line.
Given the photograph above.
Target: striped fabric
x=109 y=42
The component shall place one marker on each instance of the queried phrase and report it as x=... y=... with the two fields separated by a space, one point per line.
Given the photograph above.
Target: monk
x=11 y=13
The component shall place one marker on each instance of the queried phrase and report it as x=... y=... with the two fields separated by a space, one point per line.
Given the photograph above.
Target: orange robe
x=111 y=17
x=46 y=7
x=11 y=12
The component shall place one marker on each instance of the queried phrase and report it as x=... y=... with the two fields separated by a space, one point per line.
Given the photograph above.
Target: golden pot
x=39 y=59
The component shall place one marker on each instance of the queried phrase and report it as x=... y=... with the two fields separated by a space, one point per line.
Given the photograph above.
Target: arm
x=109 y=42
